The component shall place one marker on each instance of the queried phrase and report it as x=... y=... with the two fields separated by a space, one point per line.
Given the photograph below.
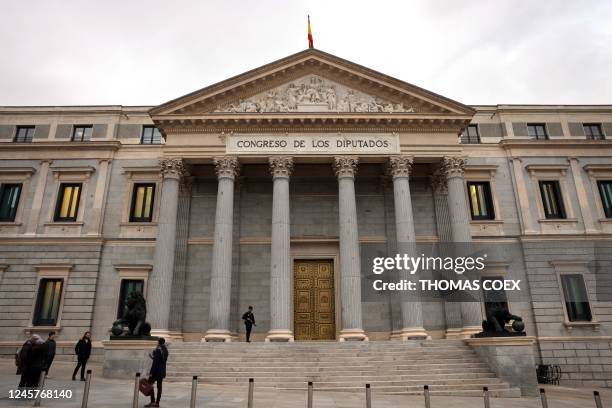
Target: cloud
x=147 y=52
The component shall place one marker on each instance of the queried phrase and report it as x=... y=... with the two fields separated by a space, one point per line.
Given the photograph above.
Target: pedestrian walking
x=36 y=361
x=51 y=347
x=21 y=361
x=82 y=351
x=158 y=370
x=249 y=322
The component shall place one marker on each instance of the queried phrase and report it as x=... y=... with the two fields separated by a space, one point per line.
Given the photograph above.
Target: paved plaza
x=109 y=393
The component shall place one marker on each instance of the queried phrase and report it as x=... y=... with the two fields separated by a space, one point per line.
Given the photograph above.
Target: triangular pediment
x=312 y=81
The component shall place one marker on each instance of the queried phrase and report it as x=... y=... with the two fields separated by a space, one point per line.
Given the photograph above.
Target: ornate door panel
x=313 y=297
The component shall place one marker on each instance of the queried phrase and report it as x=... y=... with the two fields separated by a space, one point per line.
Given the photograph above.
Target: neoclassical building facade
x=268 y=189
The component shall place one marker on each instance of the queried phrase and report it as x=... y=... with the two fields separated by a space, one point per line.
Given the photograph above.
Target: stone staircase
x=449 y=367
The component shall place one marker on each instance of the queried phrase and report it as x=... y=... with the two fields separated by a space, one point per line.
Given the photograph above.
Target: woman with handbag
x=158 y=370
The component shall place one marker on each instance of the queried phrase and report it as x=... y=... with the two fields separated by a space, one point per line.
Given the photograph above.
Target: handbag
x=145 y=387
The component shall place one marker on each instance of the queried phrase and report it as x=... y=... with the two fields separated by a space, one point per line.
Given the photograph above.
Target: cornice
x=554 y=143
x=112 y=145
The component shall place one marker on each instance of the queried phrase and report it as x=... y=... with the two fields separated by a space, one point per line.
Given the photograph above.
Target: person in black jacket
x=24 y=356
x=51 y=346
x=83 y=351
x=36 y=361
x=249 y=322
x=158 y=370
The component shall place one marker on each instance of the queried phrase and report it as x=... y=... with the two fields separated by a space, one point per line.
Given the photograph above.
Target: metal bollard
x=194 y=388
x=250 y=397
x=136 y=389
x=41 y=386
x=543 y=398
x=309 y=394
x=485 y=395
x=368 y=396
x=86 y=389
x=597 y=398
x=426 y=395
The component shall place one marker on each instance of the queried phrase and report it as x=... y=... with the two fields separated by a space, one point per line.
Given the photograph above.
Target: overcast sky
x=63 y=52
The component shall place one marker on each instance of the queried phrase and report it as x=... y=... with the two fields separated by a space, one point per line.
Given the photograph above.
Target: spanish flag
x=310 y=42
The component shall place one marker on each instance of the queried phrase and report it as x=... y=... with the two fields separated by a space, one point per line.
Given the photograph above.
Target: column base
x=454 y=333
x=279 y=336
x=352 y=335
x=218 y=335
x=396 y=335
x=169 y=335
x=468 y=331
x=414 y=333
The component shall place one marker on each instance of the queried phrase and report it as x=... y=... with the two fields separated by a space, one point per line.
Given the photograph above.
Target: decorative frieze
x=226 y=166
x=345 y=166
x=400 y=166
x=314 y=94
x=172 y=168
x=281 y=166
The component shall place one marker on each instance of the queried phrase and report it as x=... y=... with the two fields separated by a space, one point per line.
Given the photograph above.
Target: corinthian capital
x=226 y=166
x=400 y=166
x=281 y=166
x=453 y=166
x=172 y=168
x=345 y=166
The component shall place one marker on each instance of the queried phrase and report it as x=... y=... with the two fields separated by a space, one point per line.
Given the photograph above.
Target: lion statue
x=134 y=317
x=497 y=317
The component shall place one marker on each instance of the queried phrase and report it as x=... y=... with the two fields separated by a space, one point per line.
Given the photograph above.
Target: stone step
x=335 y=361
x=343 y=353
x=433 y=391
x=355 y=377
x=246 y=371
x=303 y=365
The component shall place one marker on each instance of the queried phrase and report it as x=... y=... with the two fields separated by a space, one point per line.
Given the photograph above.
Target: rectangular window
x=68 y=199
x=576 y=298
x=471 y=135
x=128 y=286
x=48 y=302
x=9 y=201
x=150 y=135
x=551 y=199
x=481 y=201
x=605 y=191
x=143 y=196
x=537 y=131
x=82 y=133
x=24 y=134
x=593 y=131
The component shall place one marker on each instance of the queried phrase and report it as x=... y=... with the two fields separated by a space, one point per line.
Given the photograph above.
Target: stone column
x=281 y=282
x=411 y=307
x=471 y=314
x=452 y=310
x=227 y=168
x=350 y=262
x=159 y=287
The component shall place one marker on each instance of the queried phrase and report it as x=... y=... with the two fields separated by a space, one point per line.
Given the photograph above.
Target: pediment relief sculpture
x=314 y=94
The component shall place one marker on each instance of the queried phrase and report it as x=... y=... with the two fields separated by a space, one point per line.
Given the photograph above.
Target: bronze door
x=313 y=300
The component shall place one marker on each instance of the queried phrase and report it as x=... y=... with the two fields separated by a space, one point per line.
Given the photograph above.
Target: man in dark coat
x=249 y=322
x=51 y=347
x=158 y=370
x=36 y=361
x=24 y=356
x=82 y=351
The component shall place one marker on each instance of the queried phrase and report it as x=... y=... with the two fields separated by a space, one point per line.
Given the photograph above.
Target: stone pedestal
x=125 y=358
x=511 y=359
